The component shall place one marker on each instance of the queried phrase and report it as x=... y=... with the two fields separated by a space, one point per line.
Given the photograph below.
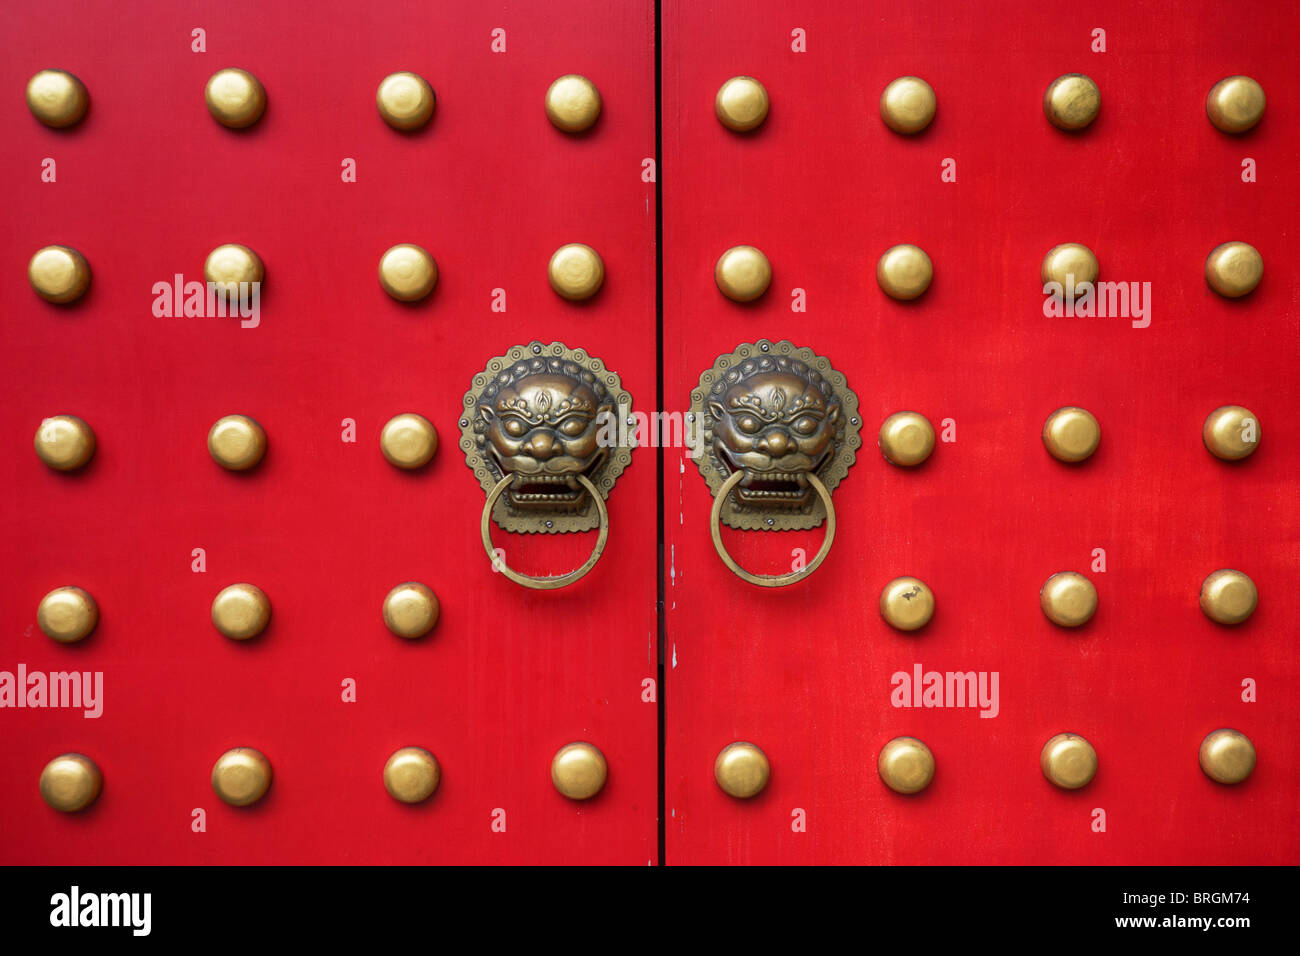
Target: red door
x=145 y=187
x=809 y=673
x=823 y=187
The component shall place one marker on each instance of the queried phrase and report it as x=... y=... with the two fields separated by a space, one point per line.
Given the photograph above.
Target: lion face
x=543 y=429
x=776 y=427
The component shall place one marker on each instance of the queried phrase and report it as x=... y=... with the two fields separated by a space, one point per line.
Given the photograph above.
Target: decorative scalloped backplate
x=501 y=370
x=728 y=370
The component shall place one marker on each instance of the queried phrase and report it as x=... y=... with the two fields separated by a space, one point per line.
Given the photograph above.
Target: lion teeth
x=546 y=479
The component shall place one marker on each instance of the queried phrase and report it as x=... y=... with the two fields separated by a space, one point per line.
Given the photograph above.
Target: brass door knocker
x=781 y=430
x=541 y=432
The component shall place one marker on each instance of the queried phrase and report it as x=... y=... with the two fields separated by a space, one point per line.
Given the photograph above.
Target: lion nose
x=776 y=444
x=542 y=446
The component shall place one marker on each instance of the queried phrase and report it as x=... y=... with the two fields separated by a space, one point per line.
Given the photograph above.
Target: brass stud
x=907 y=603
x=1235 y=104
x=1227 y=756
x=1228 y=596
x=742 y=273
x=411 y=610
x=573 y=103
x=906 y=765
x=405 y=100
x=904 y=272
x=241 y=611
x=1071 y=434
x=1068 y=761
x=906 y=438
x=578 y=771
x=235 y=98
x=907 y=105
x=1068 y=599
x=742 y=770
x=57 y=98
x=741 y=104
x=64 y=442
x=59 y=274
x=1069 y=265
x=1072 y=101
x=1231 y=433
x=67 y=614
x=576 y=271
x=1234 y=269
x=241 y=776
x=411 y=775
x=407 y=272
x=231 y=266
x=408 y=440
x=236 y=442
x=71 y=782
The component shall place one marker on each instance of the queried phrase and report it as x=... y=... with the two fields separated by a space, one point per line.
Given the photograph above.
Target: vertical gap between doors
x=661 y=595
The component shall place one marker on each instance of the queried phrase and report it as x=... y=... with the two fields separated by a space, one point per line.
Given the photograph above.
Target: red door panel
x=146 y=186
x=824 y=188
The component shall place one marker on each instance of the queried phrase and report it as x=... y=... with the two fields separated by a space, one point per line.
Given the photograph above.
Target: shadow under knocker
x=781 y=430
x=543 y=432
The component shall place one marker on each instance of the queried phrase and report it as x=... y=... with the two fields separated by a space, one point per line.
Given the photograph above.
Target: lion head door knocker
x=780 y=431
x=542 y=433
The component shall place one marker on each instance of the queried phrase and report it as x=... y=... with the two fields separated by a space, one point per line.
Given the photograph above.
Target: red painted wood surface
x=149 y=184
x=824 y=188
x=146 y=186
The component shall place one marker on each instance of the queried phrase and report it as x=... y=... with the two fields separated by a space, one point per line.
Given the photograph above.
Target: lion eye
x=805 y=425
x=573 y=427
x=747 y=424
x=515 y=427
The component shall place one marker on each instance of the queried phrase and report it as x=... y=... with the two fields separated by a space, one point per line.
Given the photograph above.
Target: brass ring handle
x=548 y=582
x=771 y=580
